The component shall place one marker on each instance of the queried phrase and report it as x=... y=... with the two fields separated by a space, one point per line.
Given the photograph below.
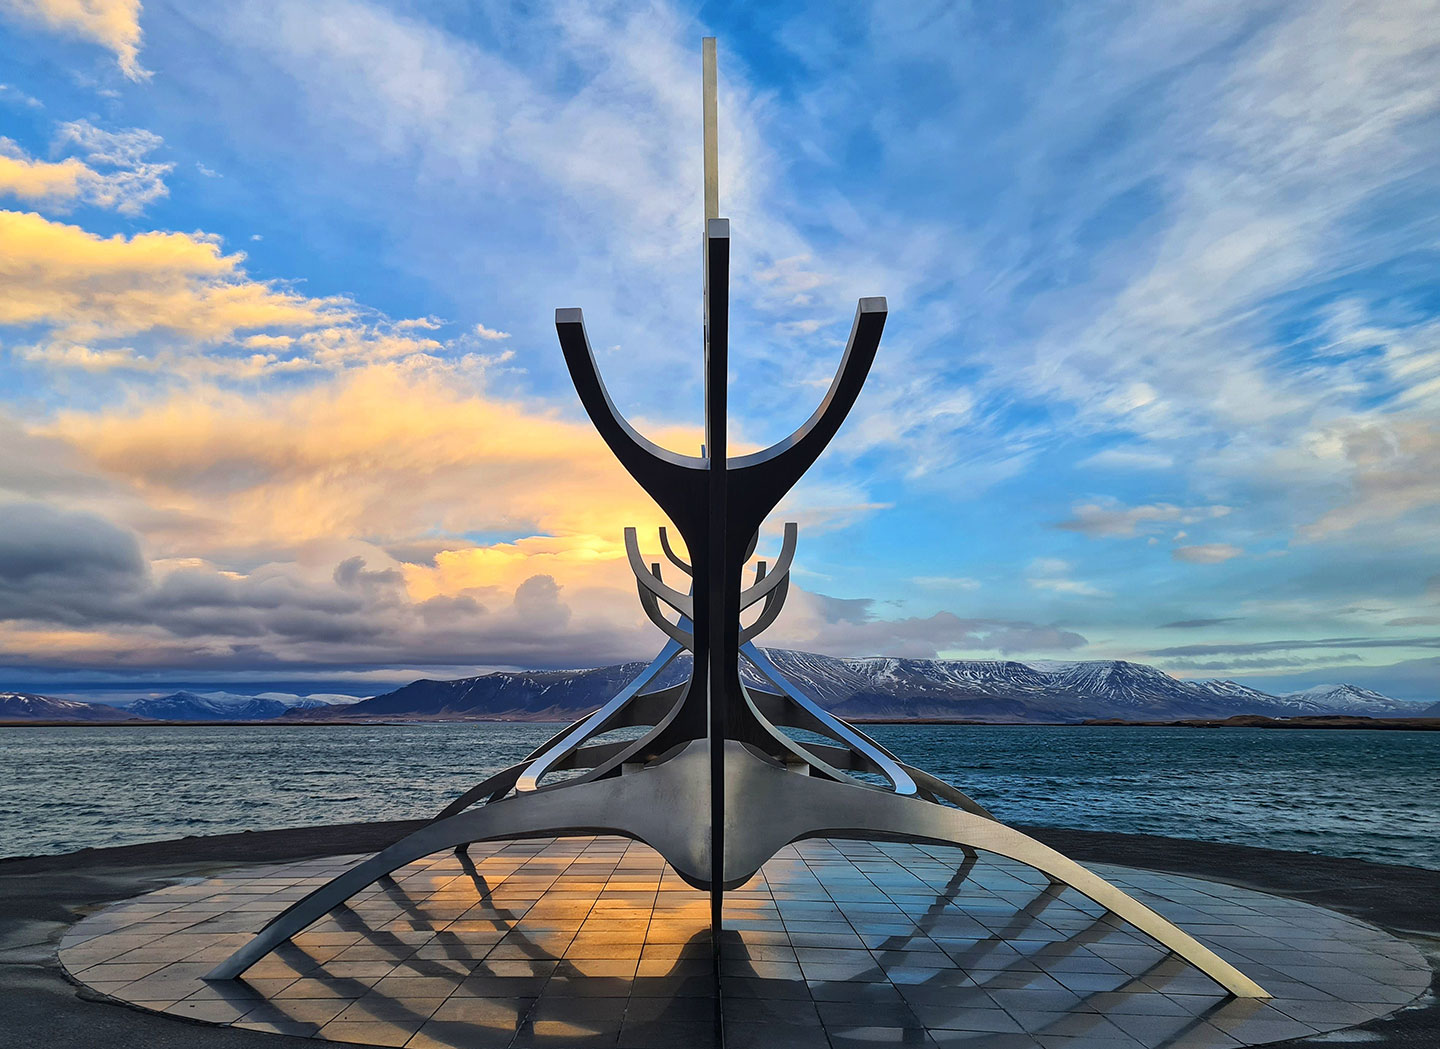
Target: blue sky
x=1160 y=381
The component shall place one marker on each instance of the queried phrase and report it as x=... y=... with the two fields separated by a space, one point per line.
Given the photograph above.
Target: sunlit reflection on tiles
x=595 y=941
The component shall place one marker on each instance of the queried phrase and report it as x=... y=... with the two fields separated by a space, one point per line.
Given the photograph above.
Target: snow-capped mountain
x=314 y=699
x=871 y=687
x=536 y=695
x=26 y=706
x=229 y=706
x=212 y=706
x=1352 y=698
x=888 y=687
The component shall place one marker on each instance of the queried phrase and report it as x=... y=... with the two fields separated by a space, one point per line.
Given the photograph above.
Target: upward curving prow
x=765 y=476
x=667 y=477
x=762 y=478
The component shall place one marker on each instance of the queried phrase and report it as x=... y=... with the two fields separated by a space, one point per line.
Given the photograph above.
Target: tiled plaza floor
x=585 y=942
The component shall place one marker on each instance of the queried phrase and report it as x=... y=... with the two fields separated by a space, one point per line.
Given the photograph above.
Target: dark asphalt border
x=41 y=896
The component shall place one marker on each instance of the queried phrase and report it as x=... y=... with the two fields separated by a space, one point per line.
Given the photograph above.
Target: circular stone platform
x=596 y=942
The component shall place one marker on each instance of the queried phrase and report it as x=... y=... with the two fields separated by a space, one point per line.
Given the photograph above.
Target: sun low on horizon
x=282 y=402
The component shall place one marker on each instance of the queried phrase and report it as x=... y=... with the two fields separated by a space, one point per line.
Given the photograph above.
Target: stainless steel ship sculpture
x=714 y=783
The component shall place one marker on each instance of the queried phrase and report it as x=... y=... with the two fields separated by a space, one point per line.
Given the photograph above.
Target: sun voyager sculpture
x=714 y=783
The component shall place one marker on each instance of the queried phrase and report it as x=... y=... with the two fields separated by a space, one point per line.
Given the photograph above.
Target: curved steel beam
x=779 y=807
x=585 y=373
x=529 y=779
x=655 y=615
x=675 y=559
x=774 y=602
x=782 y=713
x=780 y=571
x=931 y=789
x=783 y=808
x=500 y=784
x=633 y=750
x=889 y=767
x=682 y=603
x=765 y=476
x=799 y=751
x=591 y=808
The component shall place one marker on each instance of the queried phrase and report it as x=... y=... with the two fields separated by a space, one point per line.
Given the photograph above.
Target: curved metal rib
x=779 y=807
x=634 y=749
x=682 y=603
x=529 y=779
x=774 y=602
x=500 y=784
x=783 y=808
x=624 y=440
x=770 y=473
x=676 y=482
x=931 y=789
x=675 y=559
x=799 y=751
x=781 y=713
x=653 y=613
x=590 y=808
x=780 y=571
x=890 y=768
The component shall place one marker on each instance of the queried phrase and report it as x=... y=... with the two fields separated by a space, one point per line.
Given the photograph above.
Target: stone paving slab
x=595 y=941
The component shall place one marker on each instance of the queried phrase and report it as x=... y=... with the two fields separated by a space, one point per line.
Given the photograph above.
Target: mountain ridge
x=883 y=687
x=859 y=688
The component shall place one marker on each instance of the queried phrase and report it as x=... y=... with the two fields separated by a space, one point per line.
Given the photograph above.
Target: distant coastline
x=1317 y=721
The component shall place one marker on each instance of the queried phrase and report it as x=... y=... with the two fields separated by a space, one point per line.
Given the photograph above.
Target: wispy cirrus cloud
x=1207 y=553
x=1110 y=519
x=1053 y=575
x=1297 y=644
x=1143 y=262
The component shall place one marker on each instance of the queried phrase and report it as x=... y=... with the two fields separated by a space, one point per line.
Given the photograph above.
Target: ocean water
x=1343 y=793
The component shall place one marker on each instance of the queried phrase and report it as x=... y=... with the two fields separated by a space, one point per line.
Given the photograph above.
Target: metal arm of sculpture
x=597 y=722
x=668 y=477
x=682 y=603
x=762 y=478
x=675 y=559
x=779 y=807
x=779 y=576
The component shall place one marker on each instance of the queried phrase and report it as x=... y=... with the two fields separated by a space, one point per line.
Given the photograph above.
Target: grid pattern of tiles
x=583 y=942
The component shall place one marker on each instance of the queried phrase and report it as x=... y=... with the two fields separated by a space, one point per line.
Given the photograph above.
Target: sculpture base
x=596 y=941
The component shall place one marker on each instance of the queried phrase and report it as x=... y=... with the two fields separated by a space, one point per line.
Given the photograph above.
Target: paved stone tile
x=595 y=942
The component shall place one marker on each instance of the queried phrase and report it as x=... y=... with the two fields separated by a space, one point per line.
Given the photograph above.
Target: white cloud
x=944 y=582
x=128 y=180
x=114 y=24
x=1206 y=553
x=115 y=172
x=1068 y=586
x=1051 y=575
x=490 y=334
x=12 y=95
x=1110 y=519
x=1129 y=459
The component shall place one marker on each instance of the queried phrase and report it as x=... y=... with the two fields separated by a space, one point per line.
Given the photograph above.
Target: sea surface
x=1342 y=793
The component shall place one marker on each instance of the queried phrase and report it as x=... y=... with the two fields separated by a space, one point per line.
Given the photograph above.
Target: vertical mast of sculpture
x=712 y=622
x=711 y=121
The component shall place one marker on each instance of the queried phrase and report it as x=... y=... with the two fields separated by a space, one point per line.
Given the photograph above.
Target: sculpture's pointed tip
x=569 y=315
x=873 y=304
